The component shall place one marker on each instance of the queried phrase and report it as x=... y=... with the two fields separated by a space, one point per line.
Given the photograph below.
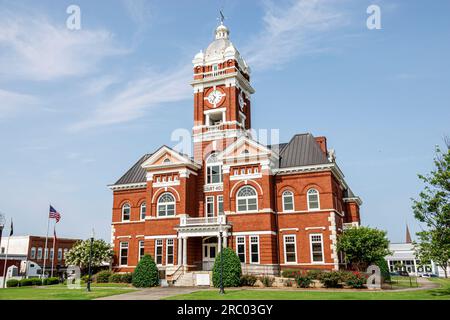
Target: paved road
x=156 y=293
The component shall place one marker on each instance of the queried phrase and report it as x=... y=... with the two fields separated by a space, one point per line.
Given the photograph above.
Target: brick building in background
x=278 y=206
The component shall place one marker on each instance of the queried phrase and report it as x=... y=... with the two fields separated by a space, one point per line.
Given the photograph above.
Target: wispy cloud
x=34 y=48
x=98 y=85
x=12 y=103
x=139 y=96
x=291 y=30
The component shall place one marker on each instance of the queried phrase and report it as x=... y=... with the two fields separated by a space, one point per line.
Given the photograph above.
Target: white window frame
x=33 y=253
x=295 y=248
x=40 y=252
x=283 y=202
x=122 y=246
x=213 y=164
x=250 y=249
x=318 y=199
x=245 y=247
x=174 y=202
x=143 y=205
x=220 y=200
x=141 y=245
x=311 y=248
x=60 y=254
x=210 y=200
x=46 y=254
x=246 y=198
x=167 y=251
x=123 y=212
x=159 y=243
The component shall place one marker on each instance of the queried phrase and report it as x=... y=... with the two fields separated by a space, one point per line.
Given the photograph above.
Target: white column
x=185 y=251
x=179 y=253
x=225 y=241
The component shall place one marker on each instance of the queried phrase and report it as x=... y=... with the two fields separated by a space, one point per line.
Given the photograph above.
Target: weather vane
x=222 y=17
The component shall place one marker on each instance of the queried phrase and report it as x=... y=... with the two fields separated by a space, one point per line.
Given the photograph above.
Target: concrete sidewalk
x=156 y=293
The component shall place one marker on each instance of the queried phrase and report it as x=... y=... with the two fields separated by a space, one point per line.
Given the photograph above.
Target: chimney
x=322 y=141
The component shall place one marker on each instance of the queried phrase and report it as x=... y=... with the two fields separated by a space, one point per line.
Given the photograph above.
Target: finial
x=222 y=17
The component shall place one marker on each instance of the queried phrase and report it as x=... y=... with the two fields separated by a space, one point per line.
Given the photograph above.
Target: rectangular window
x=39 y=253
x=60 y=254
x=46 y=253
x=316 y=248
x=214 y=174
x=159 y=252
x=51 y=254
x=169 y=251
x=290 y=254
x=123 y=257
x=254 y=249
x=219 y=205
x=33 y=253
x=209 y=206
x=240 y=248
x=141 y=249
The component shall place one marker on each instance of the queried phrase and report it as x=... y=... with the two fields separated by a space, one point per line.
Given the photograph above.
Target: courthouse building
x=278 y=206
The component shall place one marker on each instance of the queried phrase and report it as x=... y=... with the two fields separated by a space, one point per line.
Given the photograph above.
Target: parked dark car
x=403 y=273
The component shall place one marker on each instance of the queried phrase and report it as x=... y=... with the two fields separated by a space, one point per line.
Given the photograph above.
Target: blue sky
x=78 y=108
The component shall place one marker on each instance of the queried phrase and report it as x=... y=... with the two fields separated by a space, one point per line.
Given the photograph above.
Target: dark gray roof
x=136 y=174
x=302 y=150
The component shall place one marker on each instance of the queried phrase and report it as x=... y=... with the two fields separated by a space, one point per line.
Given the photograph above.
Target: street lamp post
x=90 y=262
x=222 y=291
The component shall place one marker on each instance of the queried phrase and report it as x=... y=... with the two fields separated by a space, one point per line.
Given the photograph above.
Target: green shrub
x=102 y=276
x=267 y=281
x=303 y=281
x=289 y=273
x=146 y=273
x=127 y=277
x=288 y=283
x=37 y=282
x=356 y=280
x=231 y=269
x=331 y=279
x=12 y=283
x=50 y=281
x=248 y=280
x=384 y=269
x=26 y=282
x=315 y=274
x=115 y=278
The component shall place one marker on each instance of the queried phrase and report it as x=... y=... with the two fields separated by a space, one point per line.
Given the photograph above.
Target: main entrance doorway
x=210 y=247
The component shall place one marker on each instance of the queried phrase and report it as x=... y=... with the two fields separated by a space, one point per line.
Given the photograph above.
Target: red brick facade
x=276 y=210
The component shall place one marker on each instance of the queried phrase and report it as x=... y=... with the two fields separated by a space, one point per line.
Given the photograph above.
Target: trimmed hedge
x=146 y=273
x=231 y=269
x=248 y=280
x=331 y=279
x=102 y=276
x=26 y=282
x=50 y=281
x=12 y=283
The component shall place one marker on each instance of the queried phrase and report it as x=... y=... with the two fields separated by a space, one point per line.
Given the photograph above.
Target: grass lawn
x=61 y=292
x=442 y=293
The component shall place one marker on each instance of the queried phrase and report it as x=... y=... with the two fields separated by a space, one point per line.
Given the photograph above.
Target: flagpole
x=46 y=241
x=6 y=261
x=54 y=246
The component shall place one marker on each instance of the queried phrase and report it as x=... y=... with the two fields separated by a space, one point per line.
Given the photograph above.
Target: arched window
x=166 y=205
x=166 y=161
x=247 y=199
x=313 y=199
x=288 y=201
x=126 y=212
x=143 y=210
x=213 y=169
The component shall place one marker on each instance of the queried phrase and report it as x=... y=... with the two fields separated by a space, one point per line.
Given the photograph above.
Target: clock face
x=241 y=101
x=215 y=97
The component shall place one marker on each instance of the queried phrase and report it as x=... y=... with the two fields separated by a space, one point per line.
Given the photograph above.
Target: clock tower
x=222 y=91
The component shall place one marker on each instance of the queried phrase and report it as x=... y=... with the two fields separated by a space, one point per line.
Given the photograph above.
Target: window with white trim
x=33 y=253
x=288 y=201
x=219 y=205
x=126 y=212
x=169 y=251
x=39 y=253
x=213 y=170
x=290 y=249
x=60 y=253
x=141 y=250
x=159 y=251
x=240 y=248
x=313 y=199
x=52 y=253
x=143 y=210
x=209 y=206
x=166 y=205
x=316 y=248
x=123 y=254
x=254 y=249
x=46 y=253
x=247 y=199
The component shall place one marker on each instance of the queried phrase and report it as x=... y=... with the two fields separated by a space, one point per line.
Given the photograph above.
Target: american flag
x=54 y=214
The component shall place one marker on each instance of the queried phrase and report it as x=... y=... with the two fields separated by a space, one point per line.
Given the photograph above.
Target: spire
x=222 y=31
x=408 y=235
